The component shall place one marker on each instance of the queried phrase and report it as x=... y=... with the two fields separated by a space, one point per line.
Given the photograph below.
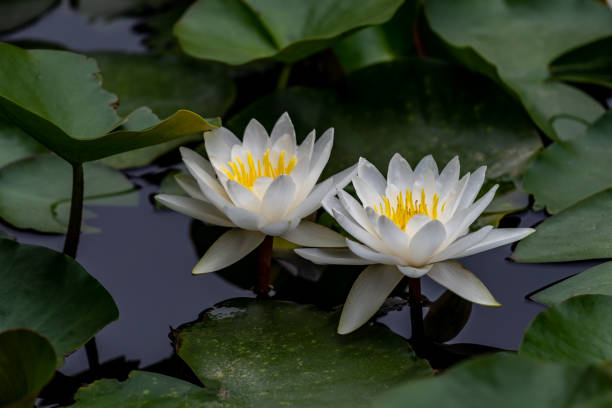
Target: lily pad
x=35 y=192
x=56 y=97
x=576 y=331
x=377 y=112
x=14 y=13
x=286 y=30
x=593 y=281
x=591 y=64
x=583 y=164
x=275 y=354
x=506 y=381
x=519 y=40
x=146 y=389
x=27 y=364
x=15 y=144
x=582 y=231
x=51 y=293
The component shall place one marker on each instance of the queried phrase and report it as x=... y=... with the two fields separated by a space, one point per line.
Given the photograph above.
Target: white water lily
x=263 y=185
x=411 y=224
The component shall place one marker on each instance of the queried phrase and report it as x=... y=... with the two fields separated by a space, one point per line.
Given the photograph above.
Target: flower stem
x=71 y=243
x=262 y=283
x=283 y=78
x=416 y=309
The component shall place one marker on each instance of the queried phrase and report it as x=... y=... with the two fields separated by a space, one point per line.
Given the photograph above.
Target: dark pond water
x=144 y=256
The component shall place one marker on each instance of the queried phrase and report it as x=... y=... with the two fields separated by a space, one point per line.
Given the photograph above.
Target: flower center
x=264 y=167
x=404 y=208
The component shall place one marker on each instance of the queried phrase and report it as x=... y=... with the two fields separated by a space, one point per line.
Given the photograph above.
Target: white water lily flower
x=411 y=224
x=264 y=185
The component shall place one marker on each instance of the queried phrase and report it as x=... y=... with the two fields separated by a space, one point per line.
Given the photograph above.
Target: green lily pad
x=35 y=192
x=582 y=231
x=591 y=64
x=147 y=389
x=14 y=13
x=56 y=97
x=477 y=121
x=382 y=43
x=51 y=293
x=15 y=144
x=506 y=381
x=593 y=281
x=518 y=40
x=583 y=164
x=287 y=30
x=27 y=364
x=277 y=354
x=576 y=331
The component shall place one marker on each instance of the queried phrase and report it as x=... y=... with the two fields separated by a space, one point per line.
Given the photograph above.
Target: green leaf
x=506 y=381
x=415 y=117
x=382 y=43
x=27 y=364
x=577 y=331
x=146 y=389
x=520 y=39
x=583 y=164
x=582 y=231
x=14 y=13
x=286 y=30
x=15 y=144
x=446 y=317
x=51 y=293
x=56 y=97
x=591 y=64
x=593 y=281
x=35 y=192
x=274 y=354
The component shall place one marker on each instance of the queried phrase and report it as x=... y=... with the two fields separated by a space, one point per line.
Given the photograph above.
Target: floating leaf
x=591 y=64
x=271 y=353
x=506 y=381
x=583 y=164
x=14 y=13
x=146 y=389
x=578 y=330
x=27 y=364
x=56 y=97
x=15 y=144
x=593 y=281
x=287 y=30
x=515 y=43
x=446 y=317
x=35 y=192
x=377 y=112
x=582 y=231
x=51 y=293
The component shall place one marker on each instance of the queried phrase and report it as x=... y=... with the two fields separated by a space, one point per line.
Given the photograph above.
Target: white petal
x=208 y=184
x=312 y=234
x=473 y=187
x=190 y=186
x=255 y=139
x=465 y=217
x=342 y=178
x=368 y=196
x=219 y=143
x=244 y=218
x=231 y=247
x=400 y=173
x=396 y=239
x=370 y=174
x=261 y=186
x=320 y=156
x=457 y=248
x=449 y=177
x=452 y=201
x=278 y=198
x=364 y=252
x=331 y=256
x=313 y=201
x=279 y=228
x=415 y=223
x=331 y=204
x=359 y=233
x=427 y=163
x=302 y=166
x=367 y=295
x=198 y=159
x=243 y=197
x=356 y=210
x=464 y=283
x=283 y=127
x=195 y=208
x=413 y=272
x=305 y=149
x=498 y=237
x=425 y=243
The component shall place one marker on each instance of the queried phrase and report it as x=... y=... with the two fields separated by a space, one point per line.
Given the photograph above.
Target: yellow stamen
x=405 y=208
x=247 y=175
